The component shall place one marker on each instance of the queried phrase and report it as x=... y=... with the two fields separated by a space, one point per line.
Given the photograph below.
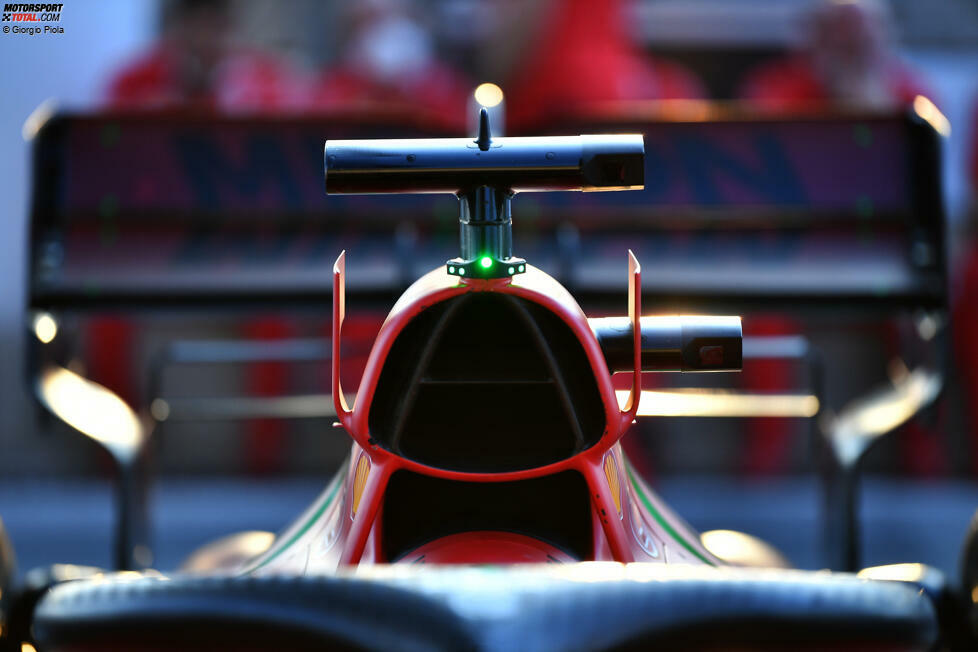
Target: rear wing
x=749 y=211
x=170 y=210
x=183 y=211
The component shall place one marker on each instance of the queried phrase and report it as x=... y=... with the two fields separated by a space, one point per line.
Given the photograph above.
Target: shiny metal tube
x=673 y=343
x=458 y=165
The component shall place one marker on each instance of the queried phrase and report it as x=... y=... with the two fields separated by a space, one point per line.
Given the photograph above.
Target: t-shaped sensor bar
x=485 y=173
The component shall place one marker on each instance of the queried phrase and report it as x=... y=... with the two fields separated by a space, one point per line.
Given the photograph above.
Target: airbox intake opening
x=486 y=382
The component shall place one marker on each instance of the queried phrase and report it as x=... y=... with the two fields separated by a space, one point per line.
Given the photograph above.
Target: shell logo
x=360 y=481
x=614 y=483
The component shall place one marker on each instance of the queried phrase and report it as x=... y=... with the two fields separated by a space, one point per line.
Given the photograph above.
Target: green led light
x=511 y=271
x=461 y=271
x=451 y=270
x=486 y=262
x=522 y=267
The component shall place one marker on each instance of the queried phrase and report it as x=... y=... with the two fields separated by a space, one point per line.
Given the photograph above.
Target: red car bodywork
x=629 y=523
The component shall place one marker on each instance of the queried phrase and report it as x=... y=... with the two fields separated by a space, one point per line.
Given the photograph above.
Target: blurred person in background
x=388 y=57
x=847 y=61
x=560 y=58
x=198 y=64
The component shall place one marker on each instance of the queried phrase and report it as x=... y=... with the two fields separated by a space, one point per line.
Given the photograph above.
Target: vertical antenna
x=485 y=135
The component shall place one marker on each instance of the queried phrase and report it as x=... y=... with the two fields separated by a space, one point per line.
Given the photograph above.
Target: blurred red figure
x=197 y=65
x=389 y=58
x=847 y=60
x=580 y=54
x=965 y=301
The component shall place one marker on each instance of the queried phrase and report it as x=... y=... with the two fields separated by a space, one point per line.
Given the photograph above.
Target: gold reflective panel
x=360 y=481
x=885 y=410
x=228 y=552
x=614 y=484
x=91 y=409
x=929 y=112
x=742 y=549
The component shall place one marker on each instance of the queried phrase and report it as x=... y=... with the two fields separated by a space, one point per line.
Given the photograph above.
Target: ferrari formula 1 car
x=486 y=503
